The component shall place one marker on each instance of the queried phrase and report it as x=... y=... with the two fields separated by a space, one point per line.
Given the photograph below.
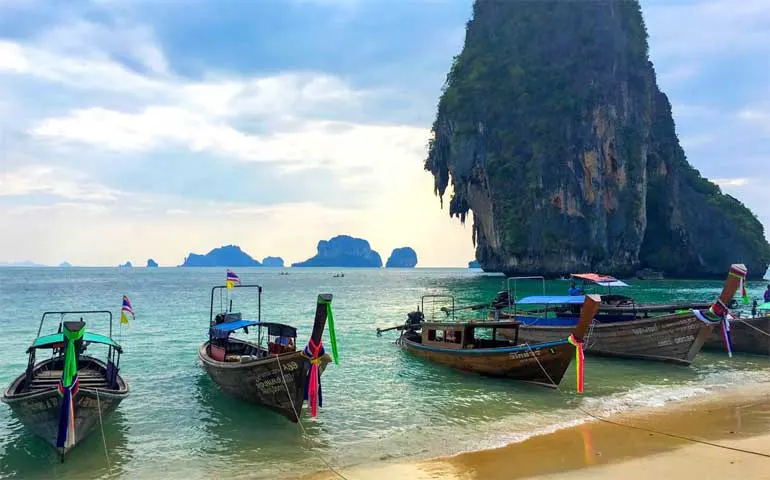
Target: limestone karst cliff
x=551 y=129
x=403 y=257
x=343 y=251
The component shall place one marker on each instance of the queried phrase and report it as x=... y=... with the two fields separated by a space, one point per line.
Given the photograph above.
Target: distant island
x=474 y=264
x=125 y=265
x=272 y=262
x=65 y=264
x=24 y=263
x=152 y=263
x=343 y=251
x=404 y=257
x=226 y=256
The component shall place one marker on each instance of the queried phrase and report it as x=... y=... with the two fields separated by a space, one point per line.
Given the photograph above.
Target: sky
x=151 y=129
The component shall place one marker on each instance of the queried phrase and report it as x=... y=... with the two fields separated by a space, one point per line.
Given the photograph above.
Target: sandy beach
x=639 y=445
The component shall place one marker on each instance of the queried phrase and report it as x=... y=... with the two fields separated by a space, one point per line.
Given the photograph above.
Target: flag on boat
x=232 y=279
x=126 y=309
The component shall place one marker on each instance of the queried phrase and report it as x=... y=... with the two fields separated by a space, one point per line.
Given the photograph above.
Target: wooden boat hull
x=744 y=338
x=671 y=338
x=39 y=410
x=543 y=364
x=276 y=382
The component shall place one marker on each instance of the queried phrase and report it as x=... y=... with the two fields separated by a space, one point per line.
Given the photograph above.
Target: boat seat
x=217 y=353
x=55 y=376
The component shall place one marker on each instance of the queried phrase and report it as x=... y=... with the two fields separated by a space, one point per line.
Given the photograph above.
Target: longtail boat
x=675 y=338
x=274 y=375
x=63 y=398
x=614 y=306
x=477 y=347
x=746 y=334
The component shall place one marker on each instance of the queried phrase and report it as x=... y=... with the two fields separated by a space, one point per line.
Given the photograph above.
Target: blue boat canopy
x=222 y=330
x=233 y=326
x=551 y=299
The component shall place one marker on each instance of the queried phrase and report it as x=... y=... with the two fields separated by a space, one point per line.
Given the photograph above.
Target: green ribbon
x=70 y=359
x=332 y=334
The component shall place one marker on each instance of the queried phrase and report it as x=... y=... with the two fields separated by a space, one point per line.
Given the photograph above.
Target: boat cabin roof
x=462 y=325
x=273 y=328
x=50 y=341
x=552 y=299
x=603 y=280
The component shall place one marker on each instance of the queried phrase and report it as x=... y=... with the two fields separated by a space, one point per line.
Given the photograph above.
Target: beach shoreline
x=696 y=437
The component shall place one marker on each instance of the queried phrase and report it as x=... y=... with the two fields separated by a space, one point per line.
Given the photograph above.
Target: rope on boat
x=645 y=429
x=104 y=439
x=299 y=421
x=590 y=331
x=752 y=326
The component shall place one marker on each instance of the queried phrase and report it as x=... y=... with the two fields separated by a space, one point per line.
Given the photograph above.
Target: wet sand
x=599 y=450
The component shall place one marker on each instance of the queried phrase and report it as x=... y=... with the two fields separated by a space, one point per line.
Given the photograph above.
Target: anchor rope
x=104 y=439
x=752 y=326
x=299 y=421
x=645 y=429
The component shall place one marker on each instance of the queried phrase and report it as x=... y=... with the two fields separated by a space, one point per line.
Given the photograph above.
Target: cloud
x=46 y=179
x=705 y=29
x=731 y=182
x=116 y=103
x=335 y=145
x=677 y=75
x=696 y=141
x=757 y=117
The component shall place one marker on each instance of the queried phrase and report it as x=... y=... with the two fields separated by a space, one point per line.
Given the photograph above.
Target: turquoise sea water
x=379 y=404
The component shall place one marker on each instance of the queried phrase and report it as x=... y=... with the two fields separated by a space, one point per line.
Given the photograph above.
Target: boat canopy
x=764 y=307
x=274 y=329
x=48 y=341
x=552 y=299
x=233 y=326
x=603 y=280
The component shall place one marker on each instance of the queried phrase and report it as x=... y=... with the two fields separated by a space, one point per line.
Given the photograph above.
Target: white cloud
x=83 y=72
x=682 y=110
x=46 y=179
x=756 y=116
x=696 y=141
x=335 y=145
x=705 y=29
x=677 y=76
x=731 y=182
x=127 y=113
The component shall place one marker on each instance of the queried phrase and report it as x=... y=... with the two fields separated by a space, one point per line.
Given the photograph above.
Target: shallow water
x=379 y=404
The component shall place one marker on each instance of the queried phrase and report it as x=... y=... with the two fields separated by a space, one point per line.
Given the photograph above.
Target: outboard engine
x=501 y=300
x=414 y=319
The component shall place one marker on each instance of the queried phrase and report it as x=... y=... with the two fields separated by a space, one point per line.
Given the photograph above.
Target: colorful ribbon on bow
x=579 y=360
x=313 y=393
x=332 y=333
x=725 y=325
x=718 y=313
x=741 y=276
x=68 y=386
